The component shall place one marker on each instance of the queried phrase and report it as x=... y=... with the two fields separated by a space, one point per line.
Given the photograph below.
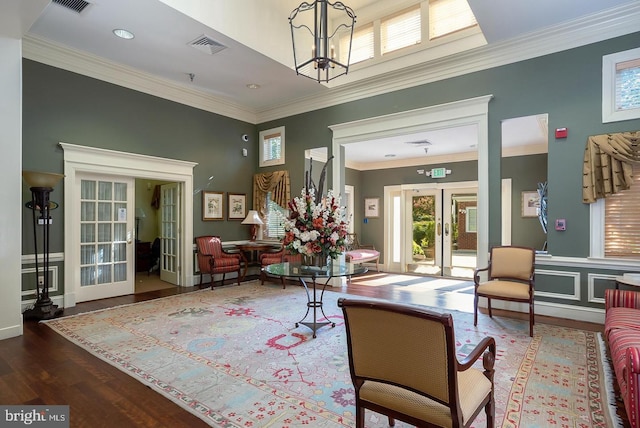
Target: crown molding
x=76 y=61
x=609 y=24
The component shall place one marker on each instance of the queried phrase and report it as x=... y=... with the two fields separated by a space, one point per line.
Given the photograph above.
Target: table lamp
x=253 y=218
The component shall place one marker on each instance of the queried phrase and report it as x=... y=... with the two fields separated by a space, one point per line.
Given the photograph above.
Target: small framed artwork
x=212 y=206
x=372 y=207
x=530 y=203
x=237 y=206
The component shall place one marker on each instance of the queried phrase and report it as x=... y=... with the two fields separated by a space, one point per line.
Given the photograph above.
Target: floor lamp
x=41 y=185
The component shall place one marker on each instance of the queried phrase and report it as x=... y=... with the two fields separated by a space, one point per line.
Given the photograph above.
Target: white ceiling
x=164 y=28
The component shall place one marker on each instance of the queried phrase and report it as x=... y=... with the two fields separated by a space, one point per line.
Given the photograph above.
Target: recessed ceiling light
x=253 y=86
x=390 y=155
x=123 y=34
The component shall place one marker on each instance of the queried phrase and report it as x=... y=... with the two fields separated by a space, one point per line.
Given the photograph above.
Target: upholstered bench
x=357 y=253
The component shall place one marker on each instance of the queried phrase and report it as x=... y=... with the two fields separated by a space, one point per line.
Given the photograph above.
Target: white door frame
x=78 y=159
x=473 y=111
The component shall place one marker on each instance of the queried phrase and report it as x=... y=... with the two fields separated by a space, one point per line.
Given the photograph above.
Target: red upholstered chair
x=212 y=259
x=274 y=257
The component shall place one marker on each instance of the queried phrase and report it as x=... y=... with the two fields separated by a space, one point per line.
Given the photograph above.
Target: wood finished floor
x=41 y=367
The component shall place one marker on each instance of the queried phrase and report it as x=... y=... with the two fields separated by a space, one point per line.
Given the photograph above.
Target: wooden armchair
x=212 y=259
x=511 y=277
x=403 y=365
x=359 y=253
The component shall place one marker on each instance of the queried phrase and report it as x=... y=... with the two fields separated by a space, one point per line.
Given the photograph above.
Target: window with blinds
x=449 y=16
x=361 y=46
x=274 y=227
x=272 y=147
x=627 y=83
x=621 y=221
x=401 y=30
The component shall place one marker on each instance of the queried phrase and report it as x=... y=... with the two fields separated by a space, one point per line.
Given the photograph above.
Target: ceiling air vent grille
x=75 y=5
x=207 y=45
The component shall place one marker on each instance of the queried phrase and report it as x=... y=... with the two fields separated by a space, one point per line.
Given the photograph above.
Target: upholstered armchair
x=213 y=260
x=511 y=277
x=403 y=365
x=273 y=257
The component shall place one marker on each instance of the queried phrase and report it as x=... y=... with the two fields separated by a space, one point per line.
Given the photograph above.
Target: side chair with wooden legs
x=511 y=277
x=404 y=365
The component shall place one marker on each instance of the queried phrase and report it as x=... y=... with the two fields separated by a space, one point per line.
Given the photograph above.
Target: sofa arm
x=621 y=299
x=632 y=375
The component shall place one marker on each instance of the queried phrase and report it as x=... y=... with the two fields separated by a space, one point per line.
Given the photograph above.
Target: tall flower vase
x=316 y=260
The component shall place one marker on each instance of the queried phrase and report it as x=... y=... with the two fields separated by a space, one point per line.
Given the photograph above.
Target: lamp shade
x=140 y=213
x=41 y=179
x=252 y=218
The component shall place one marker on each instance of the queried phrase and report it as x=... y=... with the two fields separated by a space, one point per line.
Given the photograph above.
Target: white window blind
x=622 y=222
x=627 y=85
x=275 y=212
x=401 y=30
x=272 y=147
x=361 y=46
x=449 y=16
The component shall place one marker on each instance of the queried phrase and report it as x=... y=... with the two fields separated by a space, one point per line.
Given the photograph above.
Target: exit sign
x=438 y=173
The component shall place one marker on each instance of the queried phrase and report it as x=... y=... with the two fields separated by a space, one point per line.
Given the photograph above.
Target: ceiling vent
x=74 y=5
x=207 y=45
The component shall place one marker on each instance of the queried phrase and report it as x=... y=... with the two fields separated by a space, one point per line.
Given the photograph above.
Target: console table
x=251 y=248
x=314 y=302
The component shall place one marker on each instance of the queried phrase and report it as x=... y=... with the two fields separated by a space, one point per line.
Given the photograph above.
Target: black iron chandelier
x=321 y=33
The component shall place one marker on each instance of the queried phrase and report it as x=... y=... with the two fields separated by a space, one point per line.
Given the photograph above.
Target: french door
x=170 y=233
x=434 y=229
x=106 y=206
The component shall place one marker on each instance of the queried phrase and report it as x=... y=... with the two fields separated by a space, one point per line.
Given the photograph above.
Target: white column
x=11 y=178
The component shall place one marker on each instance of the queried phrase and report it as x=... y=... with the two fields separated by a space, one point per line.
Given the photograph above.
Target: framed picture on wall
x=237 y=206
x=212 y=206
x=372 y=207
x=530 y=203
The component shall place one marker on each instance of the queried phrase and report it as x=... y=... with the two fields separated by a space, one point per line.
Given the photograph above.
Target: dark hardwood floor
x=41 y=367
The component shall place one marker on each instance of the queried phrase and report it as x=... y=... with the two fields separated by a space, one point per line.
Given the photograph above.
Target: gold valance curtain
x=607 y=164
x=276 y=182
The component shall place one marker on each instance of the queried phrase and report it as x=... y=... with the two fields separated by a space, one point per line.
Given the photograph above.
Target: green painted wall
x=60 y=106
x=566 y=85
x=64 y=106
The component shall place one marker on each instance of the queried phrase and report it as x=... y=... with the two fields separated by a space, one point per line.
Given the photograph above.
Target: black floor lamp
x=41 y=185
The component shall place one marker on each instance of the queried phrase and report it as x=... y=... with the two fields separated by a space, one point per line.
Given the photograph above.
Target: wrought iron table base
x=315 y=304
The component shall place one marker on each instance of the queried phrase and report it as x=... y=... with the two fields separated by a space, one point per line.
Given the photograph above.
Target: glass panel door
x=169 y=232
x=424 y=237
x=105 y=237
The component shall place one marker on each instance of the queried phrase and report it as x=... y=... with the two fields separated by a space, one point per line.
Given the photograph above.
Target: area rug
x=234 y=358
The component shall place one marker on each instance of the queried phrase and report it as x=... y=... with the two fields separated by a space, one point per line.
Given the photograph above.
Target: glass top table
x=314 y=302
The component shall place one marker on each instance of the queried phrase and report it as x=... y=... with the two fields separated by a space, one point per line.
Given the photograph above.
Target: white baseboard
x=557 y=310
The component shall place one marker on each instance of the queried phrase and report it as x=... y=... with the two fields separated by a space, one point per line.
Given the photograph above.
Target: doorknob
x=446 y=229
x=129 y=237
x=439 y=228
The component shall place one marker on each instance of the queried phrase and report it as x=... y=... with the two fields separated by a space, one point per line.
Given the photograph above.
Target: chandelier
x=321 y=33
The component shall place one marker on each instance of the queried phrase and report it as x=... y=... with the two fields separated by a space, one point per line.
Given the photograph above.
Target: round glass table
x=314 y=302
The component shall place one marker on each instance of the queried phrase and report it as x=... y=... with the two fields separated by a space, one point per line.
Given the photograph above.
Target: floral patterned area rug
x=234 y=357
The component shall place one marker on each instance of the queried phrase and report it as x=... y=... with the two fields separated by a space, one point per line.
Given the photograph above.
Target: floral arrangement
x=315 y=228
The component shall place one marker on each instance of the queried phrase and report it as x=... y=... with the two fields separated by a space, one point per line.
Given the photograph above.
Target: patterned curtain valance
x=276 y=182
x=607 y=164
